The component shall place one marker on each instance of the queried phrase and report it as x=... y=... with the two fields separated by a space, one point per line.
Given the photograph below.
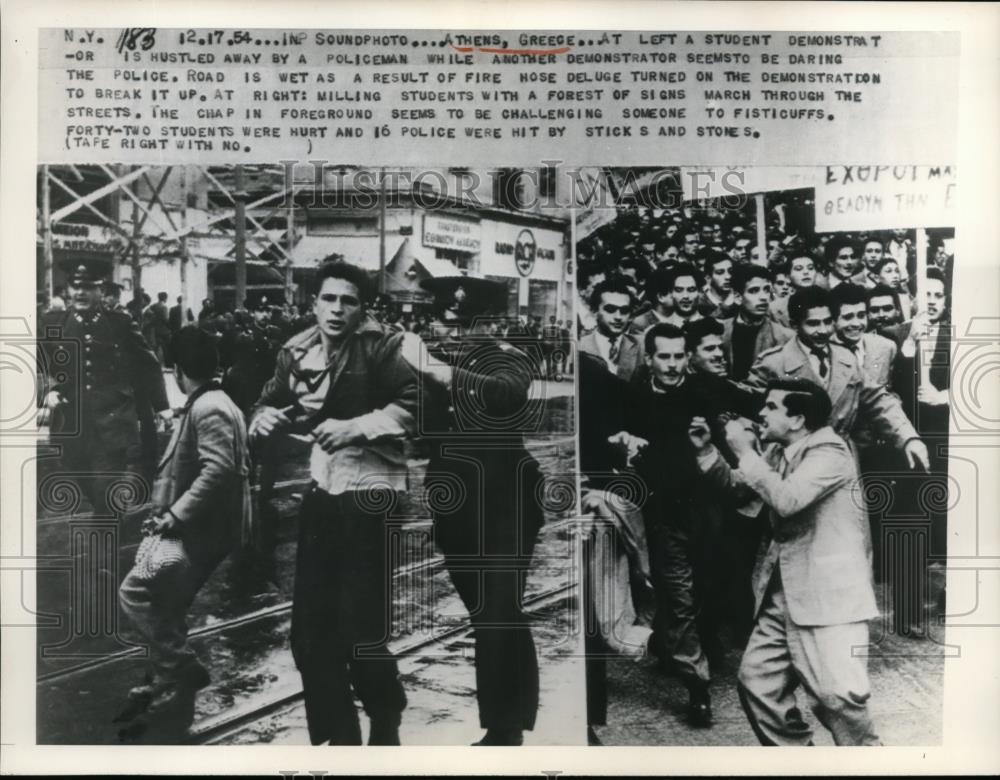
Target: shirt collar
x=792 y=449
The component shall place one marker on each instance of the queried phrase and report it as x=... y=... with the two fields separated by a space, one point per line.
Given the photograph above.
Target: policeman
x=98 y=372
x=483 y=486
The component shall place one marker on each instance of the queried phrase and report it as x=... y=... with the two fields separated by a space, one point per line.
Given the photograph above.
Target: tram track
x=232 y=722
x=276 y=610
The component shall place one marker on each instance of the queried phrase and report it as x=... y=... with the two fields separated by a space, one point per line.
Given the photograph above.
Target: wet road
x=647 y=706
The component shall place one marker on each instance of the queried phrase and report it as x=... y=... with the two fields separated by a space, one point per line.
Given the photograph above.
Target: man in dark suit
x=656 y=424
x=813 y=588
x=921 y=378
x=156 y=319
x=751 y=331
x=99 y=372
x=201 y=502
x=658 y=292
x=612 y=303
x=178 y=316
x=474 y=417
x=344 y=383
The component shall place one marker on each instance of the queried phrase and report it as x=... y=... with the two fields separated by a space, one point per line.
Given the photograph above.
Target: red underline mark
x=537 y=52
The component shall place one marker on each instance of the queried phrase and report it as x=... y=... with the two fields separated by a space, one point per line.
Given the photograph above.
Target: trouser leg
x=506 y=663
x=595 y=664
x=767 y=680
x=676 y=624
x=158 y=607
x=837 y=681
x=340 y=617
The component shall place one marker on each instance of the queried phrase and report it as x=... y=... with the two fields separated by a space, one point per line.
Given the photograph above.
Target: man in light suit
x=876 y=355
x=612 y=303
x=751 y=331
x=812 y=355
x=813 y=589
x=201 y=497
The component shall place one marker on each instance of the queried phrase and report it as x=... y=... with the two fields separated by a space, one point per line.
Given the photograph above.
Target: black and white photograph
x=302 y=448
x=727 y=333
x=564 y=388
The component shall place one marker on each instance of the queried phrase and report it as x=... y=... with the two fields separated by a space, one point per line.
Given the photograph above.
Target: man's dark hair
x=696 y=330
x=884 y=262
x=805 y=299
x=784 y=267
x=585 y=270
x=685 y=269
x=882 y=291
x=161 y=296
x=613 y=284
x=661 y=330
x=933 y=272
x=739 y=235
x=711 y=256
x=846 y=295
x=195 y=353
x=744 y=274
x=660 y=282
x=338 y=269
x=805 y=397
x=833 y=249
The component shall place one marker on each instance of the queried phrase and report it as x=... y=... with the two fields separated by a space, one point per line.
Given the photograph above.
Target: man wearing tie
x=813 y=355
x=813 y=589
x=612 y=303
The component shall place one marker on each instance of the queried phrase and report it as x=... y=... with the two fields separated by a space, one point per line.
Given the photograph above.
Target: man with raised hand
x=813 y=588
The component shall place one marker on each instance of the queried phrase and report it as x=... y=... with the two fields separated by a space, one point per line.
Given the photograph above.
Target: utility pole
x=241 y=249
x=47 y=231
x=290 y=230
x=381 y=233
x=136 y=259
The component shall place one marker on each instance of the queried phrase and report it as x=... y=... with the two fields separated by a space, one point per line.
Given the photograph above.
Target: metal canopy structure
x=164 y=204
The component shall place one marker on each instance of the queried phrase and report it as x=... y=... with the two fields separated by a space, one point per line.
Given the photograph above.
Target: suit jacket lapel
x=842 y=365
x=797 y=363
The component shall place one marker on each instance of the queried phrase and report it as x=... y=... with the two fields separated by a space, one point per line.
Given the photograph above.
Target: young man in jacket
x=201 y=501
x=344 y=384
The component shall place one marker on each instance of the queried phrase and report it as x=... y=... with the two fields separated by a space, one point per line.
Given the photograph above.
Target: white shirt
x=604 y=350
x=353 y=467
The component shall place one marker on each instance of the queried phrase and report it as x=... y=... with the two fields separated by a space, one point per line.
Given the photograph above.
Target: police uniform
x=103 y=368
x=483 y=490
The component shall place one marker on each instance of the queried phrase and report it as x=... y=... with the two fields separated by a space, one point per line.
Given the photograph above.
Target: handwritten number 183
x=132 y=37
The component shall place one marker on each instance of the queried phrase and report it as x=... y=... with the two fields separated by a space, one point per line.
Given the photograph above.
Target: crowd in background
x=682 y=317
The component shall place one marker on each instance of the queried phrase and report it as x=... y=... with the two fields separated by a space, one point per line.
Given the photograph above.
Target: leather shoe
x=501 y=738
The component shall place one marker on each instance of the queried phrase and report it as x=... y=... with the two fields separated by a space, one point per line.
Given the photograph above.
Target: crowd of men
x=355 y=388
x=703 y=367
